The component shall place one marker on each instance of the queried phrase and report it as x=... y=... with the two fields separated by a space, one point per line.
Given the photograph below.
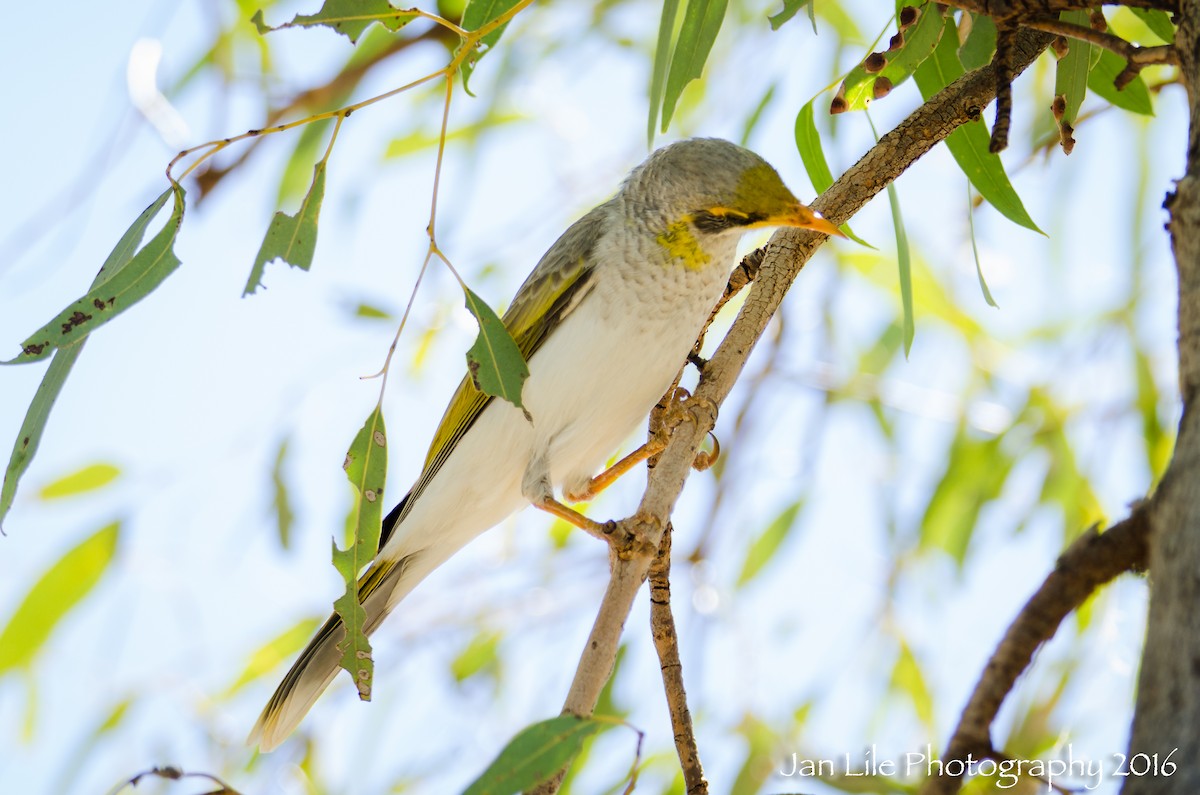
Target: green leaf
x=478 y=655
x=273 y=653
x=1071 y=76
x=980 y=45
x=808 y=141
x=34 y=424
x=917 y=43
x=291 y=238
x=763 y=548
x=904 y=264
x=284 y=516
x=494 y=361
x=812 y=154
x=59 y=589
x=90 y=478
x=296 y=179
x=1159 y=23
x=987 y=294
x=478 y=14
x=1133 y=97
x=419 y=140
x=903 y=258
x=969 y=144
x=701 y=22
x=662 y=59
x=534 y=755
x=756 y=115
x=348 y=17
x=366 y=467
x=790 y=8
x=123 y=285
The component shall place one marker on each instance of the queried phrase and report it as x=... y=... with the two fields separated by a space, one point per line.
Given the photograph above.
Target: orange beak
x=804 y=217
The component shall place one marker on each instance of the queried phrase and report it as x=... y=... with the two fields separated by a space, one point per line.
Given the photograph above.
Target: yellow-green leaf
x=90 y=478
x=270 y=655
x=284 y=516
x=764 y=547
x=908 y=679
x=478 y=655
x=58 y=590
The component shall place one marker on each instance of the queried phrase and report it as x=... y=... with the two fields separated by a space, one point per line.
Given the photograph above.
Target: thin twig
x=666 y=643
x=1092 y=560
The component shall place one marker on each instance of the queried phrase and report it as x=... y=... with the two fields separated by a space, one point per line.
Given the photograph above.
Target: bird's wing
x=554 y=288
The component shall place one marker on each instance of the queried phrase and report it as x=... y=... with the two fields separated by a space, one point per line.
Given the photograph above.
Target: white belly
x=591 y=383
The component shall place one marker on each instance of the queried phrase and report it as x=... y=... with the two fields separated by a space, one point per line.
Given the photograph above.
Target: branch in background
x=666 y=643
x=785 y=256
x=317 y=98
x=1013 y=15
x=1092 y=560
x=1136 y=57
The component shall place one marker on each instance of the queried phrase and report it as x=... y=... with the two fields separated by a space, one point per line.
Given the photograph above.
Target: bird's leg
x=593 y=486
x=657 y=443
x=537 y=489
x=602 y=530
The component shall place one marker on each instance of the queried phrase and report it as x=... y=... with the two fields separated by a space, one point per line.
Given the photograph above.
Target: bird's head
x=715 y=187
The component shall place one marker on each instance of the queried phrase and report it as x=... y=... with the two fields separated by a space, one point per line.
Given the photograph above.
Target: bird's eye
x=712 y=221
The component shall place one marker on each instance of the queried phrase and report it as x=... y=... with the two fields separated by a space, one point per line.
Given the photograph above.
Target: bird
x=605 y=322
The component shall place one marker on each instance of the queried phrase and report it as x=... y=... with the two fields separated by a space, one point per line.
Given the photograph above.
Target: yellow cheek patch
x=682 y=245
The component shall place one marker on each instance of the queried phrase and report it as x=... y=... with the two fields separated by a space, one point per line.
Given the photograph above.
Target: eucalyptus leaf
x=494 y=361
x=535 y=754
x=701 y=23
x=366 y=467
x=348 y=17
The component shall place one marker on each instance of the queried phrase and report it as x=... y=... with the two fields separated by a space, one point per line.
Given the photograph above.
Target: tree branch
x=1168 y=688
x=787 y=253
x=1091 y=561
x=666 y=643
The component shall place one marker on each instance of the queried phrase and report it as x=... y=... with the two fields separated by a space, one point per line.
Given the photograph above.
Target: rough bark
x=1167 y=715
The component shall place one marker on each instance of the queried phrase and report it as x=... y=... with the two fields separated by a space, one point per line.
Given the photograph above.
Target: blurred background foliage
x=840 y=576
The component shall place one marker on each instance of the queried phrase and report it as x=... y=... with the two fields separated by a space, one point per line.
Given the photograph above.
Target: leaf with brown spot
x=366 y=467
x=117 y=287
x=47 y=392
